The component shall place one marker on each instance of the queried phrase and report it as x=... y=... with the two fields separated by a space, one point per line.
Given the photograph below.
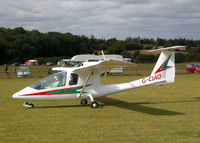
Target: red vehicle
x=31 y=63
x=193 y=68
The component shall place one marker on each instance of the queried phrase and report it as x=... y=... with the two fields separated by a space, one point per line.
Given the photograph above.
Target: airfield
x=167 y=114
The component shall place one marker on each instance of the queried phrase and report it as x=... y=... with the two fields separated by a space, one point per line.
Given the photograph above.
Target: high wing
x=103 y=66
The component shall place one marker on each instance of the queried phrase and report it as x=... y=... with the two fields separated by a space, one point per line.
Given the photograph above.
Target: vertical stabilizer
x=165 y=66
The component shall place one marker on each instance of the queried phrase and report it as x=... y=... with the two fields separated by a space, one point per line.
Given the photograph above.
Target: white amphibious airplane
x=83 y=81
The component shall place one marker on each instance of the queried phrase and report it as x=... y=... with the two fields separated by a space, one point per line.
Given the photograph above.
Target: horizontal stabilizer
x=168 y=48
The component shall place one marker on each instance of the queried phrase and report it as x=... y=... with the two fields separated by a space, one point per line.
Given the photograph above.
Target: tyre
x=94 y=104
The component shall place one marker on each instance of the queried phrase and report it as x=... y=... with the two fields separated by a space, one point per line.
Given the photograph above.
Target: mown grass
x=167 y=114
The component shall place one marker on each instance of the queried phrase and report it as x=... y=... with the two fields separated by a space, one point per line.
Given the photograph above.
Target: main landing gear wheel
x=83 y=101
x=28 y=105
x=94 y=104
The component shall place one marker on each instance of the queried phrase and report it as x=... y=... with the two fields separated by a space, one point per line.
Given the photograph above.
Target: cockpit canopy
x=52 y=81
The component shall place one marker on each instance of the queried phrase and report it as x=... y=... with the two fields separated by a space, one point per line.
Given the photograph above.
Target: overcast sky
x=105 y=18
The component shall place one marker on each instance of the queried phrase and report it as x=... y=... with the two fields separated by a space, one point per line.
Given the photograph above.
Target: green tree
x=116 y=48
x=133 y=44
x=126 y=54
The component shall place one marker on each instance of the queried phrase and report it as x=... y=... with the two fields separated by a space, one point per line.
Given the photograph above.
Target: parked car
x=193 y=68
x=23 y=72
x=50 y=64
x=15 y=64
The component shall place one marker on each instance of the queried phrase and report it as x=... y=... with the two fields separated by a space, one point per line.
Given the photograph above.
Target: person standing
x=6 y=69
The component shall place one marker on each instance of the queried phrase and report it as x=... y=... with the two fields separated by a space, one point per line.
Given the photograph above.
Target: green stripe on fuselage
x=70 y=90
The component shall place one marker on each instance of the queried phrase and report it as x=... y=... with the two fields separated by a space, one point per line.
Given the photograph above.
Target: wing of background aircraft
x=103 y=66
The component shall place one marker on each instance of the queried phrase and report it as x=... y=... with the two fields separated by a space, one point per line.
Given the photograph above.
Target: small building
x=31 y=63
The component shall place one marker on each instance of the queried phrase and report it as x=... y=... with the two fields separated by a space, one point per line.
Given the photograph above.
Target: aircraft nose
x=19 y=94
x=15 y=96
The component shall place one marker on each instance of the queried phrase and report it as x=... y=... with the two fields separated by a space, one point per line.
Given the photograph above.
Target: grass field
x=167 y=114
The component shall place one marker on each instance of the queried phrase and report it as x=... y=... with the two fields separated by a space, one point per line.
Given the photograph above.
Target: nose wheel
x=28 y=105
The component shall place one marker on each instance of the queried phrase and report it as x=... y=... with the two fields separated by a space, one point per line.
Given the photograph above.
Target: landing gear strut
x=93 y=104
x=28 y=105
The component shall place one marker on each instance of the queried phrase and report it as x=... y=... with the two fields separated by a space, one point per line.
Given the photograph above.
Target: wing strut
x=85 y=83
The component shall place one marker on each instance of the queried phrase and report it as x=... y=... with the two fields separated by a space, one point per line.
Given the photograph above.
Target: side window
x=73 y=79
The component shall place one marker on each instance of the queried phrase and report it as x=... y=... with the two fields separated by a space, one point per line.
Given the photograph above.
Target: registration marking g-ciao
x=151 y=78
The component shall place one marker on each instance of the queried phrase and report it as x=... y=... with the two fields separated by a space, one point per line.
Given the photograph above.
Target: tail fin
x=165 y=66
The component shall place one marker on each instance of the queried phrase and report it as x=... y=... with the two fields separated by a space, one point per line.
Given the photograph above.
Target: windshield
x=198 y=65
x=190 y=66
x=52 y=81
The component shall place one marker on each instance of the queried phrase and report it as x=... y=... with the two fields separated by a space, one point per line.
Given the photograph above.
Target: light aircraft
x=83 y=81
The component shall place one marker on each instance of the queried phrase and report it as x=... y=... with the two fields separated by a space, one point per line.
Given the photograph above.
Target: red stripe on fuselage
x=49 y=92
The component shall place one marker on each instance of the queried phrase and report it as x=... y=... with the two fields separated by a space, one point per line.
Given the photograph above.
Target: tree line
x=19 y=45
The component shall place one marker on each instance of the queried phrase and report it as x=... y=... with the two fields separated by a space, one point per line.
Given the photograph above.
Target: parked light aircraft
x=83 y=81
